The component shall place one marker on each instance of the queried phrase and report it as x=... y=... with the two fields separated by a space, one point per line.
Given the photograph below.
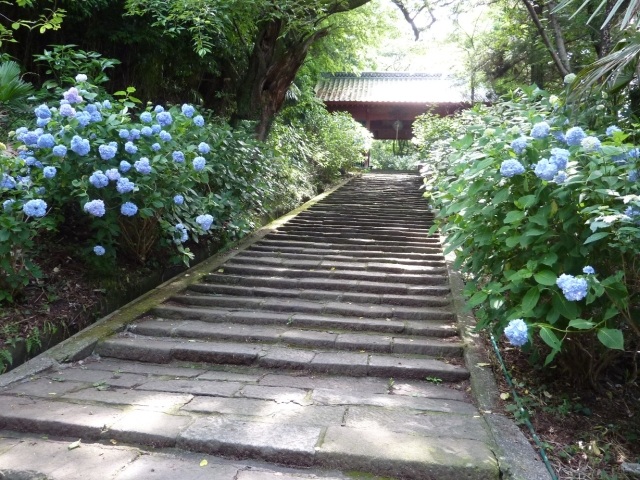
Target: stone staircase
x=330 y=343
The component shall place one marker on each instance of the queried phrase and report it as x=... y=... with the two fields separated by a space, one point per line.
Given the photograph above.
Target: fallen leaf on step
x=505 y=396
x=204 y=463
x=73 y=445
x=483 y=364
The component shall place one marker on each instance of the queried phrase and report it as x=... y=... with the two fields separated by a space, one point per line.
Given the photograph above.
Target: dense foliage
x=541 y=212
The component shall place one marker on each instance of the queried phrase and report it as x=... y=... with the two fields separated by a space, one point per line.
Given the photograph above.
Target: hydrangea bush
x=136 y=182
x=543 y=215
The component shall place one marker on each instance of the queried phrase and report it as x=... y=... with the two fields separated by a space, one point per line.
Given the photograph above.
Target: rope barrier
x=523 y=411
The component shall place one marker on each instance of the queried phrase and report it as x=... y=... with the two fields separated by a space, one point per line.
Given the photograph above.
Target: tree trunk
x=557 y=33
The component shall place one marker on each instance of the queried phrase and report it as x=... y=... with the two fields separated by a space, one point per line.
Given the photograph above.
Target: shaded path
x=310 y=348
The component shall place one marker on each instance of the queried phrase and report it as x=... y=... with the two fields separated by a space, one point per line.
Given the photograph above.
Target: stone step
x=162 y=350
x=333 y=232
x=384 y=258
x=430 y=328
x=334 y=340
x=323 y=295
x=241 y=414
x=437 y=278
x=225 y=277
x=321 y=264
x=197 y=299
x=354 y=253
x=351 y=239
x=374 y=246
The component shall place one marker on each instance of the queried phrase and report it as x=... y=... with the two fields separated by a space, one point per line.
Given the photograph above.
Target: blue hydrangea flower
x=516 y=332
x=178 y=157
x=59 y=150
x=95 y=208
x=113 y=174
x=106 y=104
x=96 y=117
x=124 y=185
x=540 y=130
x=7 y=181
x=164 y=136
x=30 y=138
x=40 y=190
x=107 y=152
x=41 y=122
x=23 y=182
x=67 y=110
x=91 y=108
x=178 y=199
x=155 y=147
x=46 y=141
x=164 y=119
x=182 y=233
x=590 y=144
x=42 y=111
x=204 y=221
x=510 y=168
x=158 y=109
x=519 y=145
x=155 y=128
x=589 y=270
x=134 y=134
x=99 y=250
x=80 y=145
x=146 y=131
x=83 y=118
x=573 y=288
x=130 y=148
x=142 y=166
x=128 y=209
x=198 y=121
x=81 y=77
x=612 y=129
x=8 y=204
x=205 y=148
x=560 y=177
x=632 y=176
x=49 y=172
x=188 y=110
x=560 y=157
x=72 y=96
x=98 y=179
x=20 y=133
x=574 y=136
x=123 y=133
x=545 y=170
x=35 y=208
x=125 y=166
x=631 y=212
x=30 y=161
x=199 y=163
x=146 y=117
x=634 y=153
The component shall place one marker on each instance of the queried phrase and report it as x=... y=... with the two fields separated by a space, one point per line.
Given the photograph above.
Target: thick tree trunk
x=557 y=33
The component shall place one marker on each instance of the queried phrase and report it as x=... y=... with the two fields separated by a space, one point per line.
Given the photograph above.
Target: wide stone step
x=319 y=250
x=323 y=295
x=437 y=278
x=366 y=247
x=383 y=258
x=252 y=414
x=161 y=350
x=333 y=232
x=314 y=307
x=366 y=286
x=335 y=340
x=352 y=239
x=319 y=263
x=430 y=328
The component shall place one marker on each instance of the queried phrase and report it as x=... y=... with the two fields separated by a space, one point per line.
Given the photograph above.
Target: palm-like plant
x=13 y=90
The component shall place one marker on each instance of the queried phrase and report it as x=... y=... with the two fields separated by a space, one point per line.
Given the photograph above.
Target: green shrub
x=529 y=216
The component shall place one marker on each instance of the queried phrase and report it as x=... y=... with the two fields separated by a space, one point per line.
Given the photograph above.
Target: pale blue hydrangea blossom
x=80 y=145
x=183 y=235
x=59 y=150
x=510 y=168
x=125 y=166
x=545 y=169
x=540 y=130
x=98 y=179
x=49 y=172
x=519 y=145
x=198 y=121
x=128 y=209
x=560 y=157
x=99 y=250
x=516 y=332
x=188 y=110
x=204 y=148
x=142 y=166
x=590 y=144
x=178 y=199
x=35 y=208
x=573 y=288
x=124 y=185
x=612 y=129
x=574 y=136
x=198 y=163
x=178 y=157
x=95 y=208
x=589 y=270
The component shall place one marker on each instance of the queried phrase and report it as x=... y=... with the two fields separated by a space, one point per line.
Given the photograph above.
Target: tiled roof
x=393 y=87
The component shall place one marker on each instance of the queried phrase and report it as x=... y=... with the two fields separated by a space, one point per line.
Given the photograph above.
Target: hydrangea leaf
x=545 y=277
x=514 y=216
x=581 y=324
x=550 y=338
x=596 y=236
x=476 y=299
x=611 y=338
x=567 y=309
x=530 y=299
x=526 y=201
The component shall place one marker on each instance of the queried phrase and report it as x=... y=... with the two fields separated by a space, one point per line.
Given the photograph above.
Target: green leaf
x=611 y=338
x=581 y=324
x=512 y=241
x=530 y=299
x=526 y=201
x=545 y=277
x=596 y=236
x=549 y=259
x=514 y=216
x=549 y=337
x=476 y=299
x=567 y=309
